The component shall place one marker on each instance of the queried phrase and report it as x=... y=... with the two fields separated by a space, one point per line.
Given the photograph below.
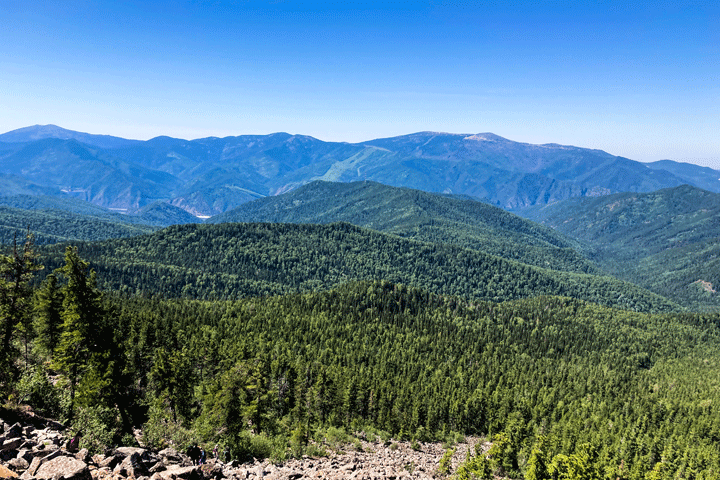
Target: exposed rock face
x=38 y=451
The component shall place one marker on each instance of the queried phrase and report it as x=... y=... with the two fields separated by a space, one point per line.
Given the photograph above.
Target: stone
x=34 y=465
x=14 y=432
x=68 y=468
x=11 y=444
x=175 y=472
x=26 y=454
x=84 y=455
x=7 y=473
x=18 y=464
x=127 y=451
x=110 y=461
x=212 y=470
x=158 y=467
x=50 y=456
x=132 y=466
x=170 y=455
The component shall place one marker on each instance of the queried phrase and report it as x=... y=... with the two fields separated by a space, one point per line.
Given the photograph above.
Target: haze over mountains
x=654 y=225
x=212 y=175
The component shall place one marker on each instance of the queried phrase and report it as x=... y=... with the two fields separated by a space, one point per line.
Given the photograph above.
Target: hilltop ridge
x=211 y=175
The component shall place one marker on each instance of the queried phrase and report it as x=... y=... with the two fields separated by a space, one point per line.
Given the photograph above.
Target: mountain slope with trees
x=418 y=215
x=55 y=226
x=558 y=384
x=232 y=260
x=665 y=241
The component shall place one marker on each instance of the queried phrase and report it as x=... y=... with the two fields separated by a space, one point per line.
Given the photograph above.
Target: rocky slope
x=34 y=447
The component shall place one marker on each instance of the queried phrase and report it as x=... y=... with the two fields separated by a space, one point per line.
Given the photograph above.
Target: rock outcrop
x=37 y=448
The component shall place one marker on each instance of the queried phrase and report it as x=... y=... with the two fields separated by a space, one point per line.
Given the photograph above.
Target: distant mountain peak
x=38 y=132
x=484 y=137
x=42 y=132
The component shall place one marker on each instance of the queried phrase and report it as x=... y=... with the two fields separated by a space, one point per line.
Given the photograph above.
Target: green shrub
x=35 y=389
x=98 y=427
x=160 y=431
x=336 y=437
x=446 y=462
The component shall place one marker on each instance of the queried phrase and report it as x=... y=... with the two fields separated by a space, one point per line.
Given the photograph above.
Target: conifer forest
x=563 y=379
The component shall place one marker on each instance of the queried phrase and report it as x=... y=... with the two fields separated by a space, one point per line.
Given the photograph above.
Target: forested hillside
x=53 y=219
x=53 y=226
x=420 y=216
x=229 y=261
x=558 y=384
x=666 y=241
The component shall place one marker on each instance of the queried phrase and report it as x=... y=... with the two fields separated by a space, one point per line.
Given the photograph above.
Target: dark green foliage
x=239 y=260
x=400 y=359
x=78 y=354
x=53 y=226
x=16 y=271
x=48 y=319
x=665 y=241
x=34 y=388
x=420 y=216
x=563 y=387
x=88 y=352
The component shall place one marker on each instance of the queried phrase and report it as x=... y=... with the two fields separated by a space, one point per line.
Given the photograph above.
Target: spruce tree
x=82 y=313
x=48 y=320
x=16 y=271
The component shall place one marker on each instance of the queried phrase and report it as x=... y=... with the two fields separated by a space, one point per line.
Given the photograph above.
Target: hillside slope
x=420 y=216
x=666 y=241
x=240 y=260
x=54 y=226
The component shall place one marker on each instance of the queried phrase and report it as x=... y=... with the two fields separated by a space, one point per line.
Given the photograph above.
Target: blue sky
x=639 y=81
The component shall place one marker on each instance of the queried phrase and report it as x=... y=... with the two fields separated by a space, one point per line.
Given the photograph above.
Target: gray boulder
x=14 y=432
x=132 y=466
x=12 y=444
x=18 y=464
x=175 y=472
x=84 y=456
x=68 y=468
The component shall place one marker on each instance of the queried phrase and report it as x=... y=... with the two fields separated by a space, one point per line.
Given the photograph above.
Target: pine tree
x=48 y=320
x=83 y=333
x=16 y=271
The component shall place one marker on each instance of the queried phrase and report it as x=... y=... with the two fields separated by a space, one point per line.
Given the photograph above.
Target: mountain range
x=667 y=241
x=212 y=175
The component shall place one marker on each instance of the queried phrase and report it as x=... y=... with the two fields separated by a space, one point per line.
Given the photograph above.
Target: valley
x=358 y=296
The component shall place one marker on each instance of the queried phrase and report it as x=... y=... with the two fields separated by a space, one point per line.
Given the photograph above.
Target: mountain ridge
x=418 y=215
x=666 y=241
x=211 y=175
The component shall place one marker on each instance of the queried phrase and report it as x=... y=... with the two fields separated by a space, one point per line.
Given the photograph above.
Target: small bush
x=446 y=462
x=97 y=428
x=384 y=436
x=35 y=389
x=335 y=437
x=161 y=431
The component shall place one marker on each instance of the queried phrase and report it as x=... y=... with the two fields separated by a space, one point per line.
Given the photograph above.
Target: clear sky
x=638 y=80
